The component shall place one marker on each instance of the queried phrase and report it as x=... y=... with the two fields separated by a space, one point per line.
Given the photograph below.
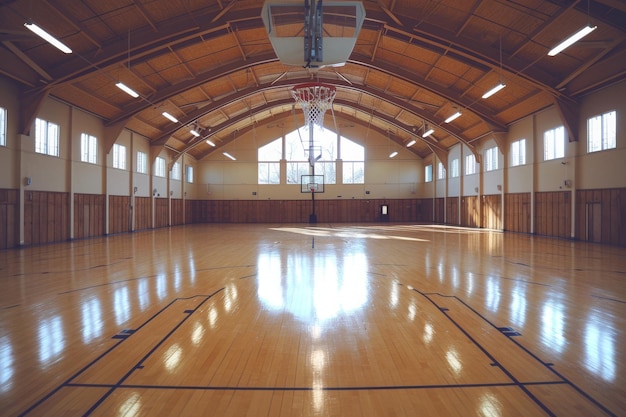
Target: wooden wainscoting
x=470 y=211
x=492 y=212
x=178 y=211
x=298 y=211
x=46 y=217
x=89 y=215
x=553 y=213
x=601 y=215
x=440 y=210
x=452 y=210
x=9 y=218
x=161 y=212
x=143 y=213
x=517 y=212
x=119 y=214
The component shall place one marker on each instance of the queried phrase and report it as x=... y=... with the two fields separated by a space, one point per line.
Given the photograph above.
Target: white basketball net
x=314 y=100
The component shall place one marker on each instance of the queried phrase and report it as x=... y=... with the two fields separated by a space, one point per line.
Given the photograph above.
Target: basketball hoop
x=314 y=99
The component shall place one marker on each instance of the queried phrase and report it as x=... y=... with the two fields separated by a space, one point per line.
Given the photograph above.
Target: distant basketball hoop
x=314 y=99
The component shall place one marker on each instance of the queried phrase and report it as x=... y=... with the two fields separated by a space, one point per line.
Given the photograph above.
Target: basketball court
x=284 y=320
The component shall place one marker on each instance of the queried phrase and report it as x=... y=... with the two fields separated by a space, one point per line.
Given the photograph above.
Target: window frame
x=607 y=136
x=47 y=145
x=142 y=162
x=159 y=167
x=470 y=165
x=3 y=126
x=189 y=174
x=88 y=148
x=552 y=149
x=428 y=173
x=518 y=152
x=119 y=156
x=491 y=159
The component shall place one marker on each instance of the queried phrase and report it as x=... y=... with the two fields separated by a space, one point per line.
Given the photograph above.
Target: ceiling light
x=194 y=132
x=494 y=90
x=429 y=132
x=453 y=117
x=411 y=143
x=169 y=116
x=393 y=154
x=127 y=89
x=229 y=156
x=572 y=39
x=48 y=37
x=210 y=143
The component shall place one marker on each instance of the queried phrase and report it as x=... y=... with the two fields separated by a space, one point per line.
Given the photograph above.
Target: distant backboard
x=323 y=35
x=312 y=184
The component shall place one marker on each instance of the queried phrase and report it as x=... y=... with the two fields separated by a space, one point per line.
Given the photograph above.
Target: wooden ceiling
x=211 y=65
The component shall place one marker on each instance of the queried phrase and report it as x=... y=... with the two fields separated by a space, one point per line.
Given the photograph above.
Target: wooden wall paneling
x=88 y=215
x=492 y=211
x=161 y=212
x=143 y=213
x=119 y=214
x=176 y=208
x=452 y=210
x=9 y=218
x=440 y=210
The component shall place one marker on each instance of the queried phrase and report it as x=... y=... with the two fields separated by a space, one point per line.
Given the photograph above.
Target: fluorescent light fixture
x=48 y=37
x=393 y=154
x=572 y=39
x=411 y=143
x=169 y=116
x=429 y=132
x=194 y=132
x=453 y=117
x=127 y=89
x=494 y=90
x=210 y=143
x=226 y=154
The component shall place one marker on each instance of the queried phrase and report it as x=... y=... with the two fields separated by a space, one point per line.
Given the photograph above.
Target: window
x=470 y=164
x=142 y=163
x=88 y=146
x=441 y=171
x=159 y=167
x=428 y=173
x=119 y=156
x=189 y=173
x=554 y=143
x=353 y=156
x=176 y=171
x=3 y=126
x=601 y=132
x=491 y=159
x=46 y=137
x=268 y=157
x=518 y=152
x=454 y=168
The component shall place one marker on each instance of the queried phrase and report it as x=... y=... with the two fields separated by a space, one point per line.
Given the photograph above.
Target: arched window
x=324 y=152
x=353 y=156
x=269 y=162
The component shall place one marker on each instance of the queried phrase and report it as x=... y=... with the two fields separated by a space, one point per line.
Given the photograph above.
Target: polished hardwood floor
x=324 y=320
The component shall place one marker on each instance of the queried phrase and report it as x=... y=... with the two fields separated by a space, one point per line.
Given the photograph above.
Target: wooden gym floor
x=332 y=320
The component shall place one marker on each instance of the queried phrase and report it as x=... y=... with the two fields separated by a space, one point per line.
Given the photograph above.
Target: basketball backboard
x=324 y=34
x=312 y=184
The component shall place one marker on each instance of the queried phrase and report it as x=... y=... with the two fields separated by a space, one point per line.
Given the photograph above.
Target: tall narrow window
x=268 y=157
x=3 y=126
x=554 y=143
x=88 y=148
x=46 y=137
x=159 y=167
x=428 y=173
x=119 y=156
x=189 y=174
x=142 y=162
x=601 y=132
x=454 y=168
x=491 y=159
x=470 y=164
x=441 y=171
x=176 y=171
x=518 y=152
x=353 y=156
